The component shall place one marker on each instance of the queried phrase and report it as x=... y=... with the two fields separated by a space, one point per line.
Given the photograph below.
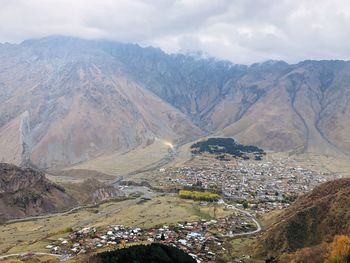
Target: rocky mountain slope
x=273 y=105
x=78 y=103
x=92 y=191
x=313 y=219
x=306 y=106
x=25 y=192
x=65 y=100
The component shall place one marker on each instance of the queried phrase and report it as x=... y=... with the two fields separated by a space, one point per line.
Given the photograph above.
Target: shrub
x=340 y=249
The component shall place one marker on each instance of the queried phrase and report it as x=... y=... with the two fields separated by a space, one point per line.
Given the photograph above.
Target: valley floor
x=146 y=208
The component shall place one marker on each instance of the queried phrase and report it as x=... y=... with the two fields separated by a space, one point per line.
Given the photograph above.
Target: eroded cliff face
x=25 y=138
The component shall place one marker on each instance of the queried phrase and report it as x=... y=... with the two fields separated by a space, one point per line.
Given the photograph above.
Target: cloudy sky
x=243 y=31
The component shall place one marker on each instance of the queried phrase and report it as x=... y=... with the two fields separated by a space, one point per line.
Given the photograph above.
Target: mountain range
x=65 y=100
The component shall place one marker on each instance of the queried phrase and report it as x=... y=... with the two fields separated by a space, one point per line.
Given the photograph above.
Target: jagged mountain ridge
x=273 y=104
x=85 y=98
x=269 y=92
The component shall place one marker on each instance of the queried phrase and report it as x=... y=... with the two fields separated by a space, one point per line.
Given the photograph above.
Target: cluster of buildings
x=260 y=185
x=200 y=239
x=263 y=184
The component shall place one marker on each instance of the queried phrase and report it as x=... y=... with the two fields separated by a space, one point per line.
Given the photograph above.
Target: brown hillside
x=91 y=191
x=314 y=218
x=64 y=102
x=25 y=192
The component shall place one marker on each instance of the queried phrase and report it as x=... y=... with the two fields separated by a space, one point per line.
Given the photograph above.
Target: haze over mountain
x=65 y=100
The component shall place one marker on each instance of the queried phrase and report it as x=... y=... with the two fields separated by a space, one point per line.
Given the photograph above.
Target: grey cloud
x=243 y=31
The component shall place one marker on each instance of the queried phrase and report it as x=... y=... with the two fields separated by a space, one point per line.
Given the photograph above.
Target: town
x=200 y=239
x=248 y=187
x=261 y=185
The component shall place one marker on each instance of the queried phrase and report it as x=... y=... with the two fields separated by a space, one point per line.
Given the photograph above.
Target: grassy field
x=36 y=259
x=35 y=235
x=117 y=164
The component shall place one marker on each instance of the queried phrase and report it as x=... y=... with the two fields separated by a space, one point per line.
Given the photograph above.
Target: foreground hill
x=25 y=192
x=313 y=219
x=144 y=253
x=65 y=101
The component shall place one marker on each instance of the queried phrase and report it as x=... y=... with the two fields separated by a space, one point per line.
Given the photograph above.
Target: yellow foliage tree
x=202 y=196
x=123 y=243
x=340 y=249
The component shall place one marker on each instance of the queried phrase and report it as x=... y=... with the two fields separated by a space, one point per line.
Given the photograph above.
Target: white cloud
x=243 y=31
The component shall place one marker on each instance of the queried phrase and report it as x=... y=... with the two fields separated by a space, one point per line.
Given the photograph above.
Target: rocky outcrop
x=26 y=192
x=92 y=191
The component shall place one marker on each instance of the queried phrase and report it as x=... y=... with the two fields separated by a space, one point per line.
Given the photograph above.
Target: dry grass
x=118 y=164
x=35 y=235
x=36 y=259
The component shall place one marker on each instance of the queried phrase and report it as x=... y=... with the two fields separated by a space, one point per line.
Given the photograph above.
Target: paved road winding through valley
x=250 y=216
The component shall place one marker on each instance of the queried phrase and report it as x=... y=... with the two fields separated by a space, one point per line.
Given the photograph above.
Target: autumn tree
x=340 y=249
x=122 y=243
